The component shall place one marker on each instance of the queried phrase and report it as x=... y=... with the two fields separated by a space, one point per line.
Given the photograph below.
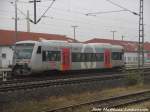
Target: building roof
x=129 y=46
x=7 y=37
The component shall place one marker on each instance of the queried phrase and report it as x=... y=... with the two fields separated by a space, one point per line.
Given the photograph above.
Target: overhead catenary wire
x=46 y=11
x=69 y=11
x=104 y=12
x=86 y=14
x=122 y=7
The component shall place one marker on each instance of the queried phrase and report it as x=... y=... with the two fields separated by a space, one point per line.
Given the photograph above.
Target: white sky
x=66 y=13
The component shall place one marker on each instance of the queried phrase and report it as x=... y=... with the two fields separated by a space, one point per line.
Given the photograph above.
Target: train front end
x=22 y=57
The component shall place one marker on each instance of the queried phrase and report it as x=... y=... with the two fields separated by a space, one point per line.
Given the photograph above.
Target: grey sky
x=65 y=13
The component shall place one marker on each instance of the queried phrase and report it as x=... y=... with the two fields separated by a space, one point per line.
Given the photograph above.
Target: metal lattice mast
x=141 y=37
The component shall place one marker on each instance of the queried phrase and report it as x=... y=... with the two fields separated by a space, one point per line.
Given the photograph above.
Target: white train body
x=35 y=57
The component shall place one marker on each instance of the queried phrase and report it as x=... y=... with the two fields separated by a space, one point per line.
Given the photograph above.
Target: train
x=31 y=57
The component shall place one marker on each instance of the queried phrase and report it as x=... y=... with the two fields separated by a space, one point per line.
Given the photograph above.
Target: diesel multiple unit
x=46 y=55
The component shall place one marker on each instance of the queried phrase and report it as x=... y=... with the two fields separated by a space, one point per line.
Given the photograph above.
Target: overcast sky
x=65 y=13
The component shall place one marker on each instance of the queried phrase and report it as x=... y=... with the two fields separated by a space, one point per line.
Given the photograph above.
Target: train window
x=53 y=56
x=116 y=56
x=82 y=57
x=76 y=57
x=44 y=56
x=94 y=57
x=99 y=56
x=87 y=57
x=39 y=50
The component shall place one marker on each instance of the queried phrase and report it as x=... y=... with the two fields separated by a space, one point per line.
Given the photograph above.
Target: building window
x=124 y=59
x=129 y=58
x=4 y=55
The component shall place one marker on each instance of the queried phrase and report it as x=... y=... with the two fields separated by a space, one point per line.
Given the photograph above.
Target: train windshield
x=24 y=51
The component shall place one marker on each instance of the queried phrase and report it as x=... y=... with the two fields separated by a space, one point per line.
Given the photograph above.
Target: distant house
x=130 y=49
x=7 y=40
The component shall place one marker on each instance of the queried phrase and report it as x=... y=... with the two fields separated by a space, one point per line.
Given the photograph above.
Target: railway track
x=59 y=82
x=107 y=103
x=58 y=76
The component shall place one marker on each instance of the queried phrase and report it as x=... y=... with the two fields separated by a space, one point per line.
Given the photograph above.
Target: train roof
x=26 y=41
x=53 y=41
x=65 y=43
x=117 y=46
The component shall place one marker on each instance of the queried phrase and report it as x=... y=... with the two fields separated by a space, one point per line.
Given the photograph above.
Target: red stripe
x=65 y=59
x=107 y=58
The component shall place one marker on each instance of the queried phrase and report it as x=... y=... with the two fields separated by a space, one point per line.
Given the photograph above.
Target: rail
x=59 y=82
x=111 y=102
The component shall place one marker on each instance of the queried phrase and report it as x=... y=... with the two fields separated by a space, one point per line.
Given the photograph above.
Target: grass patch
x=134 y=78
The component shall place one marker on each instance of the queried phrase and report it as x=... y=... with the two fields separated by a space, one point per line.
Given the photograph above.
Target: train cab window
x=43 y=55
x=39 y=50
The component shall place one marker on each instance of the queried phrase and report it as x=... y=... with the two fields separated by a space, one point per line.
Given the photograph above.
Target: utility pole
x=141 y=38
x=74 y=29
x=28 y=22
x=113 y=34
x=35 y=1
x=16 y=21
x=16 y=24
x=34 y=11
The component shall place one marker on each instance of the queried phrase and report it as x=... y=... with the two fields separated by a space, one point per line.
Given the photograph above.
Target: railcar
x=46 y=55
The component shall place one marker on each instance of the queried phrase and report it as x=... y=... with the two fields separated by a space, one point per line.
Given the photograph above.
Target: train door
x=107 y=58
x=65 y=59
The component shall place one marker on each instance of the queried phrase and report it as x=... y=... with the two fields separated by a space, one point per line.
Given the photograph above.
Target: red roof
x=129 y=46
x=7 y=37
